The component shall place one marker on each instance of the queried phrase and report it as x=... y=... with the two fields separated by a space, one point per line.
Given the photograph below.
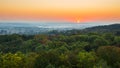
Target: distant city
x=38 y=28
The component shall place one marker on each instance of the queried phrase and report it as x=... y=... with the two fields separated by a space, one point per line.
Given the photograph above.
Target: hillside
x=104 y=28
x=112 y=28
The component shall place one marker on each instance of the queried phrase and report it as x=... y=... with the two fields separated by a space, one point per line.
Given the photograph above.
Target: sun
x=78 y=21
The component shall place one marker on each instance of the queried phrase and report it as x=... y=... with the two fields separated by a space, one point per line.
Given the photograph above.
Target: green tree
x=109 y=37
x=30 y=59
x=86 y=59
x=117 y=41
x=46 y=58
x=111 y=54
x=16 y=60
x=43 y=39
x=99 y=42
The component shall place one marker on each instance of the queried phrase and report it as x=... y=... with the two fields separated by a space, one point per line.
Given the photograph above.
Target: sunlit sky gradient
x=60 y=10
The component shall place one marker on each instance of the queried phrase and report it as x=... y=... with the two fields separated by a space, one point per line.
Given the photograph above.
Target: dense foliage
x=91 y=50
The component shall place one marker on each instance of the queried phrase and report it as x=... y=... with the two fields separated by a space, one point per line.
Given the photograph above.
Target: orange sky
x=60 y=10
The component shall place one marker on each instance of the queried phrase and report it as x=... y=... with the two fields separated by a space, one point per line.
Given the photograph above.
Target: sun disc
x=78 y=21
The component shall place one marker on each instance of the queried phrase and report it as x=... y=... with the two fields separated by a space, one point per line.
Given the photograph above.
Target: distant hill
x=112 y=28
x=104 y=28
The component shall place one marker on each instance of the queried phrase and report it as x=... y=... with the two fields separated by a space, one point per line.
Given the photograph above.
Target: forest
x=61 y=50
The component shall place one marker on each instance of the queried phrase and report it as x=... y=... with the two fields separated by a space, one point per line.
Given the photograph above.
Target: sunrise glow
x=60 y=10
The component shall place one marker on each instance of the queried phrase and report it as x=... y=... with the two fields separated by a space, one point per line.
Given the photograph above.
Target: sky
x=60 y=10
